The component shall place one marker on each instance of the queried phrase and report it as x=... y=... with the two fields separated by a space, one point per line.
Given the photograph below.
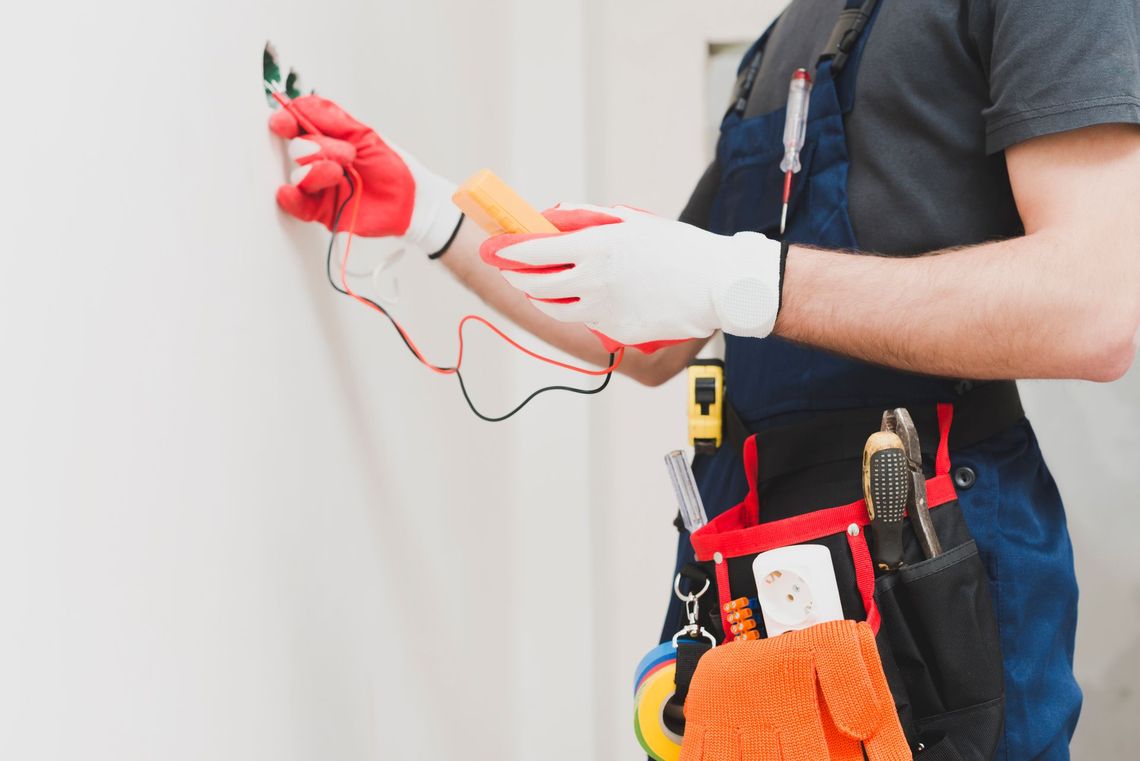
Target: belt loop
x=942 y=461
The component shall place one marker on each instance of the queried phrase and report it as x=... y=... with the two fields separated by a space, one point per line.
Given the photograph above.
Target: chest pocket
x=751 y=190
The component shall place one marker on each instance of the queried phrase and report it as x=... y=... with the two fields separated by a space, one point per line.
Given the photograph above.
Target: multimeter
x=492 y=205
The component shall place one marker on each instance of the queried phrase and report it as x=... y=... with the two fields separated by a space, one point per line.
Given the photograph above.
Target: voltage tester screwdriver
x=795 y=130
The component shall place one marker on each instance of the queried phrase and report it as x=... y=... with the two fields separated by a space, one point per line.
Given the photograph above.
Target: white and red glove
x=400 y=197
x=640 y=280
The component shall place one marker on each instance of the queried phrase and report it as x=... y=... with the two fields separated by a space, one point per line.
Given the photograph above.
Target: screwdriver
x=795 y=129
x=688 y=497
x=886 y=486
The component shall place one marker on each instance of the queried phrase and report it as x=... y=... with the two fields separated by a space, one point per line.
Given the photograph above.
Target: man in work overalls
x=987 y=152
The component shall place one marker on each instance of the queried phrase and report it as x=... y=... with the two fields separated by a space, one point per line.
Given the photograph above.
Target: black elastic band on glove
x=451 y=239
x=784 y=246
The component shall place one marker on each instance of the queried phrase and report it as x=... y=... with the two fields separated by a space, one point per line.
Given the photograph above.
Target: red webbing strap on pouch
x=725 y=595
x=732 y=540
x=864 y=576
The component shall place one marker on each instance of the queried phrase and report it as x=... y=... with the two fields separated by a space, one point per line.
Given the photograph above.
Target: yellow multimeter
x=706 y=404
x=496 y=208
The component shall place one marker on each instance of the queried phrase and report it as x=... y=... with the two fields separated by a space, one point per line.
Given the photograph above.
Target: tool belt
x=934 y=622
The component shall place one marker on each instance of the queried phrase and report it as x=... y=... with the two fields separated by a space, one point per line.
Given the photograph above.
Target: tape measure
x=706 y=404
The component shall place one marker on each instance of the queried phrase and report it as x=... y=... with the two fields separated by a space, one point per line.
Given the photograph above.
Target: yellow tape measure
x=706 y=404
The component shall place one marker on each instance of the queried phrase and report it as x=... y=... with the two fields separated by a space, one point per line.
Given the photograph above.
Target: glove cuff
x=784 y=246
x=447 y=244
x=748 y=296
x=434 y=217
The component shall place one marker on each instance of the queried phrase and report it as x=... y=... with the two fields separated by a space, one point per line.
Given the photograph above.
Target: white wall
x=229 y=501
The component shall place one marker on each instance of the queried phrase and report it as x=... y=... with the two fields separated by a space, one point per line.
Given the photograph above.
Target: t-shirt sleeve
x=1058 y=65
x=699 y=207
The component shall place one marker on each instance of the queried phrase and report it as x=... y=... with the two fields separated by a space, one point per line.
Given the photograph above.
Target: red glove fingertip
x=323 y=174
x=648 y=347
x=331 y=149
x=284 y=124
x=489 y=251
x=608 y=343
x=295 y=203
x=569 y=220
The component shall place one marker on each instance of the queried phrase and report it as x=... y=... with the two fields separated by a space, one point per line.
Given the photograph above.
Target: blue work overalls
x=1006 y=493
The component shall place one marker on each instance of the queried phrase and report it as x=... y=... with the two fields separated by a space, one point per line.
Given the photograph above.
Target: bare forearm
x=1020 y=308
x=462 y=258
x=1063 y=301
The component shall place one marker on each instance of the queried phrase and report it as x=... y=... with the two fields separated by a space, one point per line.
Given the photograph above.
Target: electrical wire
x=354 y=181
x=355 y=193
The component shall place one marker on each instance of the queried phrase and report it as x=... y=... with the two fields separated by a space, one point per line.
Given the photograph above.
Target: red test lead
x=356 y=192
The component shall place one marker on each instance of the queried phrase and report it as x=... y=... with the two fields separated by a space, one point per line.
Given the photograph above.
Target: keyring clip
x=693 y=628
x=689 y=597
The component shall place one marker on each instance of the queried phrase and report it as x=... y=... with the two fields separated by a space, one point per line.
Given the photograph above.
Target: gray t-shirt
x=943 y=88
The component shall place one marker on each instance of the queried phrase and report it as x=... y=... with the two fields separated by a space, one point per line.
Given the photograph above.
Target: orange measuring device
x=492 y=205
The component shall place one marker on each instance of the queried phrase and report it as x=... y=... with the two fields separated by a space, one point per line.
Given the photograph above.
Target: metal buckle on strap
x=846 y=34
x=744 y=83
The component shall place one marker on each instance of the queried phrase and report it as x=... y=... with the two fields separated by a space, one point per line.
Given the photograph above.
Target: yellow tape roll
x=649 y=722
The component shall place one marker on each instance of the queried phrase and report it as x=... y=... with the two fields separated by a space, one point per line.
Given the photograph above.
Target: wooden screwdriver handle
x=886 y=484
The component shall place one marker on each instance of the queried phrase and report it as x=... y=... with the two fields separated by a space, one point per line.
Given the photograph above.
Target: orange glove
x=805 y=695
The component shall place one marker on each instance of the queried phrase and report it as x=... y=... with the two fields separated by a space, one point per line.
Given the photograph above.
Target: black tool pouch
x=939 y=636
x=934 y=619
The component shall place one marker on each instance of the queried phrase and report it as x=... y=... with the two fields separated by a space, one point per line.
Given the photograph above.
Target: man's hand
x=400 y=197
x=640 y=280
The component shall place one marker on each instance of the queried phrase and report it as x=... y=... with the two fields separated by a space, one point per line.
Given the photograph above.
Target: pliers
x=899 y=421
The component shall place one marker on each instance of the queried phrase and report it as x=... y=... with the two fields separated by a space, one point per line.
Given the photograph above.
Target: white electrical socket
x=796 y=587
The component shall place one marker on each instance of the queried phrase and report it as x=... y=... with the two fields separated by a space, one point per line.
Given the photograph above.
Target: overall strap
x=844 y=36
x=852 y=20
x=747 y=71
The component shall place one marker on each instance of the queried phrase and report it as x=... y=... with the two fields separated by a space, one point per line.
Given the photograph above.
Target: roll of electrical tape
x=655 y=683
x=653 y=660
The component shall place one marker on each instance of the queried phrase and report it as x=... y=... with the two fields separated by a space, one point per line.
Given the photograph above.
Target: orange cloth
x=808 y=695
